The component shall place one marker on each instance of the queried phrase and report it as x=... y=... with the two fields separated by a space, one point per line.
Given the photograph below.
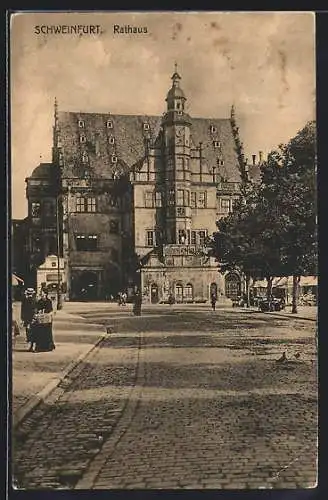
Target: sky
x=262 y=62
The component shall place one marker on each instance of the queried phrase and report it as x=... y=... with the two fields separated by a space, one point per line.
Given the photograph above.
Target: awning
x=16 y=280
x=309 y=281
x=260 y=284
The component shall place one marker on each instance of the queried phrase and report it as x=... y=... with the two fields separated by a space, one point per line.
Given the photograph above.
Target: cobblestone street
x=178 y=398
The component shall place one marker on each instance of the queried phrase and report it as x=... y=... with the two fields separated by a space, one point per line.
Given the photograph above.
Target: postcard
x=164 y=250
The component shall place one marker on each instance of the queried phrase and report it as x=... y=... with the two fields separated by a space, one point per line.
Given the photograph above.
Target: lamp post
x=59 y=297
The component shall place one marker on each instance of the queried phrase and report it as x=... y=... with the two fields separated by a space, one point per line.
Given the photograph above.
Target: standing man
x=137 y=303
x=213 y=300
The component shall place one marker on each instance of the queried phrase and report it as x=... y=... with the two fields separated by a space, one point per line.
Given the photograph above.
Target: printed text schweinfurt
x=68 y=29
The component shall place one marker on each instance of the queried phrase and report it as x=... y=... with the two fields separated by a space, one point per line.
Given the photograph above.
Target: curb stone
x=38 y=398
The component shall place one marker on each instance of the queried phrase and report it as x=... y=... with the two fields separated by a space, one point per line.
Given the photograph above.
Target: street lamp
x=59 y=297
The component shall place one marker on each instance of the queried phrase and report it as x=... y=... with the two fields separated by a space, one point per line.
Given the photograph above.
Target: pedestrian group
x=36 y=317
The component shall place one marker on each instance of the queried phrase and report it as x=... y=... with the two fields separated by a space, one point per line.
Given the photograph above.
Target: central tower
x=176 y=144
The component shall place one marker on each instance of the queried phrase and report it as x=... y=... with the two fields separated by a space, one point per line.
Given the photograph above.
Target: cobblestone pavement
x=180 y=399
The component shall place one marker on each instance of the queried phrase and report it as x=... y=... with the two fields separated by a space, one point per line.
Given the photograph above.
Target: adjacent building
x=131 y=200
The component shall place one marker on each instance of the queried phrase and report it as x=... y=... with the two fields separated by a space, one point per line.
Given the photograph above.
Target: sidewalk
x=35 y=375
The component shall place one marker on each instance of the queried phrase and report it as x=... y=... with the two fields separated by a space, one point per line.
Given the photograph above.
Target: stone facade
x=137 y=198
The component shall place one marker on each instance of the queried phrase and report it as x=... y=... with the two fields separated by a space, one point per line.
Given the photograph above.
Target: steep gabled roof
x=130 y=133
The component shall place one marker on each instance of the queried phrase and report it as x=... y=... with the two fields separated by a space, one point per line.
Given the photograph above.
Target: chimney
x=261 y=157
x=254 y=159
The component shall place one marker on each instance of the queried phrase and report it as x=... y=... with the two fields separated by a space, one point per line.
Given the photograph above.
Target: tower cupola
x=175 y=97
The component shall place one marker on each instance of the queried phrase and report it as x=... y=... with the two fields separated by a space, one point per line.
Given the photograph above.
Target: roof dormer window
x=213 y=129
x=221 y=163
x=217 y=144
x=111 y=140
x=81 y=123
x=109 y=124
x=85 y=157
x=114 y=159
x=83 y=138
x=146 y=126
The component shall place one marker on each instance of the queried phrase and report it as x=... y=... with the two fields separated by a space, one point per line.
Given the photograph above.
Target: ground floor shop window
x=188 y=292
x=178 y=293
x=232 y=286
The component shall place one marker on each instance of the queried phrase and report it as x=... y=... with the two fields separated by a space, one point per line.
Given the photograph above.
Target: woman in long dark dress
x=42 y=332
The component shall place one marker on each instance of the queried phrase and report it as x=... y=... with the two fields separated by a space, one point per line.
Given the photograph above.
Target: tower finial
x=56 y=109
x=233 y=110
x=175 y=67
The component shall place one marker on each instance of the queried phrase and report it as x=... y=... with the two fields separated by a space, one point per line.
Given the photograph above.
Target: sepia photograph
x=163 y=250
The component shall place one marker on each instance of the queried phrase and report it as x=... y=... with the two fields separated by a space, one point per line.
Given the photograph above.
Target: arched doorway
x=154 y=293
x=213 y=289
x=86 y=286
x=232 y=286
x=178 y=293
x=188 y=293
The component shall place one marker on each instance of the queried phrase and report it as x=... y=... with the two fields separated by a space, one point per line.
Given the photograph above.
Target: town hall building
x=130 y=201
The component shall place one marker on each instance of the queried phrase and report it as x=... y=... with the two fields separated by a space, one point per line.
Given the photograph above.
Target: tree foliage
x=272 y=230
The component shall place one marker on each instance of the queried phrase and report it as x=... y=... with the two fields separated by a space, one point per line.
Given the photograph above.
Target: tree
x=289 y=183
x=272 y=229
x=243 y=239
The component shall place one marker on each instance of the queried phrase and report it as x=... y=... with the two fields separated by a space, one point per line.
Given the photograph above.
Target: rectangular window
x=225 y=205
x=91 y=204
x=36 y=209
x=85 y=204
x=158 y=199
x=179 y=163
x=171 y=197
x=202 y=199
x=181 y=237
x=150 y=238
x=202 y=237
x=193 y=239
x=186 y=200
x=83 y=138
x=81 y=123
x=180 y=197
x=109 y=124
x=148 y=199
x=114 y=227
x=85 y=158
x=193 y=199
x=86 y=243
x=170 y=163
